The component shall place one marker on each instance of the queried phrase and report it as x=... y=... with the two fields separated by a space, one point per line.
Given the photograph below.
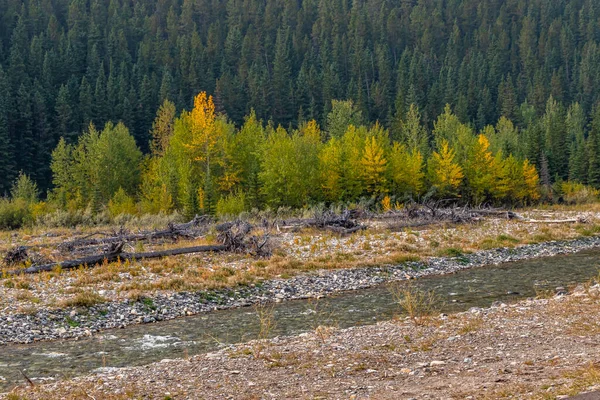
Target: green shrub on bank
x=232 y=205
x=121 y=203
x=14 y=213
x=577 y=193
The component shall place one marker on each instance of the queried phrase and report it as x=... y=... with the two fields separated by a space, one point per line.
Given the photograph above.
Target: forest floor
x=535 y=349
x=295 y=253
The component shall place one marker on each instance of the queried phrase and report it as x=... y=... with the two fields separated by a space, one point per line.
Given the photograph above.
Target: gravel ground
x=49 y=324
x=535 y=349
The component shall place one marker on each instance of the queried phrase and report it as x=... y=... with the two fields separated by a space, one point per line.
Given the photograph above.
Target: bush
x=232 y=204
x=121 y=203
x=68 y=219
x=14 y=213
x=577 y=193
x=24 y=189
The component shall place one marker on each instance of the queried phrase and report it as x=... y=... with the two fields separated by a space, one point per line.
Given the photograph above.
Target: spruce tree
x=7 y=166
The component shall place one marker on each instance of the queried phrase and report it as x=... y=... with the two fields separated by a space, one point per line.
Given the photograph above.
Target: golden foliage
x=201 y=121
x=443 y=171
x=374 y=166
x=406 y=170
x=532 y=181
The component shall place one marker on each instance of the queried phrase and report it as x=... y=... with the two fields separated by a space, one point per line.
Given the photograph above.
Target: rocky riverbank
x=533 y=349
x=75 y=322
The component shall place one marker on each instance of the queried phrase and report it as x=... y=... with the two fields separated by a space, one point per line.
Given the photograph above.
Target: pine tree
x=342 y=115
x=85 y=104
x=61 y=166
x=412 y=133
x=64 y=115
x=593 y=150
x=7 y=167
x=281 y=82
x=578 y=155
x=556 y=147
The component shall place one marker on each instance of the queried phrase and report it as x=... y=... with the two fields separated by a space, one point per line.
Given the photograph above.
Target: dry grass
x=299 y=253
x=567 y=383
x=84 y=299
x=266 y=320
x=471 y=325
x=414 y=302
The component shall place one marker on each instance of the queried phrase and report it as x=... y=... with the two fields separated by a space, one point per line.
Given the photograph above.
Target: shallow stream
x=142 y=344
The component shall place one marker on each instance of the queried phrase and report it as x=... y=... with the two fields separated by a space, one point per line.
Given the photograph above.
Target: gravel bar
x=69 y=323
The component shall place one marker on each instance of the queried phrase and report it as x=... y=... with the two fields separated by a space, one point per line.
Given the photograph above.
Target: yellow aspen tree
x=331 y=170
x=201 y=121
x=231 y=170
x=480 y=169
x=205 y=140
x=155 y=196
x=531 y=180
x=445 y=174
x=374 y=166
x=501 y=185
x=352 y=145
x=312 y=131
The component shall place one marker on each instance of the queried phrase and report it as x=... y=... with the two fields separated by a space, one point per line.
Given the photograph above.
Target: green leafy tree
x=342 y=115
x=290 y=172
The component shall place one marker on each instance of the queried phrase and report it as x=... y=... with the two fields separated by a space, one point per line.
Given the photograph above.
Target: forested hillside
x=66 y=63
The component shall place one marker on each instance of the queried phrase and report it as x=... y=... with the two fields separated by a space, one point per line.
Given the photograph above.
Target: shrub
x=577 y=193
x=62 y=218
x=233 y=204
x=39 y=209
x=85 y=299
x=24 y=189
x=415 y=302
x=121 y=203
x=14 y=213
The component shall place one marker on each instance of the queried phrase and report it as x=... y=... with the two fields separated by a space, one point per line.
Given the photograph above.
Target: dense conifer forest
x=300 y=101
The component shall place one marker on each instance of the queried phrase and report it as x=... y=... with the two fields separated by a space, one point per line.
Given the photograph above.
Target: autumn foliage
x=202 y=163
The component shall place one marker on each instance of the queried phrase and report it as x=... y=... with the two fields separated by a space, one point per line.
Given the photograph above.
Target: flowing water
x=142 y=344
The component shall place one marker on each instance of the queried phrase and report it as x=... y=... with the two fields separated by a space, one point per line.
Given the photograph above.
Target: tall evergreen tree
x=7 y=167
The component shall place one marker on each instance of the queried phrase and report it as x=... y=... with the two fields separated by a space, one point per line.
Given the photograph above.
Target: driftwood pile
x=233 y=237
x=190 y=230
x=238 y=236
x=344 y=223
x=430 y=213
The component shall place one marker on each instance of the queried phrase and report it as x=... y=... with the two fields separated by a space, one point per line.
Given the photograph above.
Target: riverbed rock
x=18 y=328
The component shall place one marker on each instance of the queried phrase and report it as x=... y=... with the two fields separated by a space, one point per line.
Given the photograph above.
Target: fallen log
x=115 y=256
x=345 y=231
x=172 y=231
x=556 y=221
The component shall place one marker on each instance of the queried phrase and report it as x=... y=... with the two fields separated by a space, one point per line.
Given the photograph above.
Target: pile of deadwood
x=241 y=236
x=429 y=213
x=98 y=248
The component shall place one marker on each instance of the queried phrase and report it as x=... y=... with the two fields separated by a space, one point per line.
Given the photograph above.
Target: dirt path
x=537 y=349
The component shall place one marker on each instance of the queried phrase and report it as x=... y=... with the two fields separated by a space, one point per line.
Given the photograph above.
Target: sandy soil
x=535 y=349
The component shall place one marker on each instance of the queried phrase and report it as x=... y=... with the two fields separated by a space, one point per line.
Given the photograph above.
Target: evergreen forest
x=205 y=106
